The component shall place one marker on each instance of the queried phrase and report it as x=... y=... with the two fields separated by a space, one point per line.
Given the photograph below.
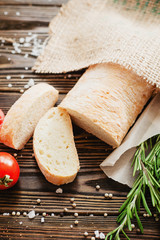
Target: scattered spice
x=31 y=214
x=42 y=219
x=59 y=190
x=97 y=187
x=76 y=222
x=76 y=214
x=38 y=201
x=85 y=234
x=72 y=200
x=74 y=205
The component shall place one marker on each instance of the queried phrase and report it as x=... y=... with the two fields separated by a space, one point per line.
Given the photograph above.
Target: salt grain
x=9 y=85
x=105 y=214
x=59 y=190
x=18 y=14
x=38 y=200
x=65 y=209
x=6 y=214
x=8 y=77
x=5 y=13
x=52 y=214
x=21 y=40
x=106 y=195
x=98 y=187
x=18 y=213
x=71 y=226
x=13 y=213
x=26 y=68
x=76 y=222
x=92 y=238
x=22 y=76
x=21 y=91
x=15 y=154
x=132 y=226
x=44 y=214
x=85 y=234
x=74 y=205
x=96 y=233
x=24 y=214
x=31 y=214
x=110 y=195
x=20 y=223
x=76 y=214
x=42 y=220
x=101 y=236
x=13 y=51
x=72 y=200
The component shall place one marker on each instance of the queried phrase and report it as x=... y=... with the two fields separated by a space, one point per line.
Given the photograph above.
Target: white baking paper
x=118 y=164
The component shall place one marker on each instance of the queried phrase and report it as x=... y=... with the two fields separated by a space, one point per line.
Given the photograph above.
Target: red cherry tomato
x=9 y=171
x=1 y=117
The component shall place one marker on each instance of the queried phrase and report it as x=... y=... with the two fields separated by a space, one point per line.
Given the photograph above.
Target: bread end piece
x=54 y=147
x=23 y=116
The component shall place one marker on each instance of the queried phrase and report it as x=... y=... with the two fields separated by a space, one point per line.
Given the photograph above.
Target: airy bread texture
x=106 y=101
x=23 y=116
x=54 y=147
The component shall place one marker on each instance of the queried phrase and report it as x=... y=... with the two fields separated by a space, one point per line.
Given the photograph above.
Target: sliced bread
x=54 y=147
x=23 y=116
x=107 y=100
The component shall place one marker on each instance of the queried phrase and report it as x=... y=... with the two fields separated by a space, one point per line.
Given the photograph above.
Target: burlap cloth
x=86 y=32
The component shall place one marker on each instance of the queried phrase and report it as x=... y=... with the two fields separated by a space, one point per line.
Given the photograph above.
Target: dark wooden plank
x=32 y=184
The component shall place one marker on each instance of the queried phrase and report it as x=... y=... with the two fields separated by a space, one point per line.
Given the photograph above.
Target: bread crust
x=107 y=100
x=12 y=126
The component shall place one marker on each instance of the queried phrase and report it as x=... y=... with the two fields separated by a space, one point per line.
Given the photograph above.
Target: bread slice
x=23 y=116
x=54 y=147
x=107 y=100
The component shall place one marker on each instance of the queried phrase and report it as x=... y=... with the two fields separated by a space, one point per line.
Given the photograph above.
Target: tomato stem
x=5 y=180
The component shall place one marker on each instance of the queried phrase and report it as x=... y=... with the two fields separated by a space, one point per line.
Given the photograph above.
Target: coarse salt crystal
x=31 y=214
x=13 y=51
x=59 y=190
x=10 y=85
x=52 y=214
x=8 y=77
x=26 y=68
x=20 y=223
x=96 y=233
x=9 y=59
x=101 y=236
x=26 y=86
x=26 y=44
x=5 y=13
x=21 y=40
x=6 y=214
x=31 y=82
x=22 y=76
x=42 y=220
x=18 y=14
x=29 y=33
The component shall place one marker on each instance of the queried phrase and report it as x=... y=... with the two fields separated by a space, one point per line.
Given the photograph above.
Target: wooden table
x=17 y=19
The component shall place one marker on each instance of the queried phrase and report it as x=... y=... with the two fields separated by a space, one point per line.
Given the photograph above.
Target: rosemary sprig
x=146 y=162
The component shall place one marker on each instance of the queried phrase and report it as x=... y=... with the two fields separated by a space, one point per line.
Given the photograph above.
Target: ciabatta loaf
x=54 y=147
x=23 y=116
x=106 y=101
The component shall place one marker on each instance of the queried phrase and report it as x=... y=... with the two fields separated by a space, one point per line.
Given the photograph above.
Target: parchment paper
x=118 y=164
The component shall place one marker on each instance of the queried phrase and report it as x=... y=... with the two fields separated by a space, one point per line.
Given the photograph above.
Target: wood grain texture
x=34 y=17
